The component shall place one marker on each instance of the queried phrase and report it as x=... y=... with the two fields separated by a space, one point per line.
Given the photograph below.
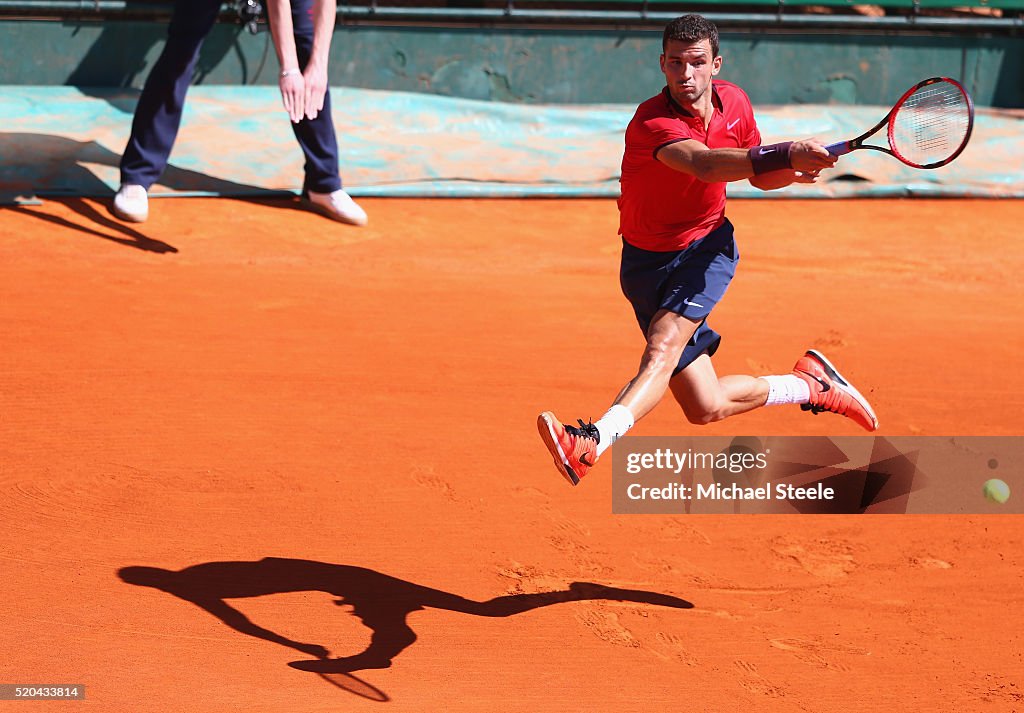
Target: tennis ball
x=996 y=490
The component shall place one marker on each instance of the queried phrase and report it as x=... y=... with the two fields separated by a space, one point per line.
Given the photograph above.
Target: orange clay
x=283 y=386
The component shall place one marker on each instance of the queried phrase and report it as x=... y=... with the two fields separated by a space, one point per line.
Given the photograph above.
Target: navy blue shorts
x=689 y=282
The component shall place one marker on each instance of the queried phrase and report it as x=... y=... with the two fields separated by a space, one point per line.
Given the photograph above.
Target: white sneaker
x=131 y=203
x=339 y=206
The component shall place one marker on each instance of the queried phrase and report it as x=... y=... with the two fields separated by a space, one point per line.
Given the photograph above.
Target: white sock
x=612 y=426
x=787 y=389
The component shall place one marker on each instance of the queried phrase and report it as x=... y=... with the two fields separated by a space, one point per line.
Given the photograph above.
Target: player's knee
x=699 y=418
x=703 y=414
x=663 y=352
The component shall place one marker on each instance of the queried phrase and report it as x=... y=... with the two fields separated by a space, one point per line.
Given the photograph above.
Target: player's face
x=688 y=69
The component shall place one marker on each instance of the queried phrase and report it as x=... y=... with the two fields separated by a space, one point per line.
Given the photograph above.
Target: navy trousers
x=158 y=113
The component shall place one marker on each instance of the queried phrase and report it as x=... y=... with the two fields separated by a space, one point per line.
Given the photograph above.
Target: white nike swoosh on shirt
x=729 y=126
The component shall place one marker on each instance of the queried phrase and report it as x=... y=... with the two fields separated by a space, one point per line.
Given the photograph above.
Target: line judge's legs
x=160 y=106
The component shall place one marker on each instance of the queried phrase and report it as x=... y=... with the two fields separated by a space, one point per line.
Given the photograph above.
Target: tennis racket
x=929 y=126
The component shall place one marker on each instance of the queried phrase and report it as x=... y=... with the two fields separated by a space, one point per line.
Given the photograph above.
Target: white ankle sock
x=612 y=426
x=787 y=389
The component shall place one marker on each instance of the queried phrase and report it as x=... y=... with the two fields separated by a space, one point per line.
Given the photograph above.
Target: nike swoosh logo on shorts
x=692 y=304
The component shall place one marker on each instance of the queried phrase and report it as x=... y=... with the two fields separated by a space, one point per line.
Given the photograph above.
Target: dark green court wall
x=578 y=66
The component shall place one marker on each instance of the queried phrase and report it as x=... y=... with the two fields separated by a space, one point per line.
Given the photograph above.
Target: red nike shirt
x=662 y=209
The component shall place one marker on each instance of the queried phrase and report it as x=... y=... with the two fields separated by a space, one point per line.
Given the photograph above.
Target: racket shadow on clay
x=380 y=601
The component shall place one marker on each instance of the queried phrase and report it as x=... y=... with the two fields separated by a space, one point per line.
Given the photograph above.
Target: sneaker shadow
x=132 y=237
x=53 y=165
x=59 y=168
x=380 y=601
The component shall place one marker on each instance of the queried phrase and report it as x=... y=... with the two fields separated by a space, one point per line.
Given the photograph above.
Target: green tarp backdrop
x=237 y=141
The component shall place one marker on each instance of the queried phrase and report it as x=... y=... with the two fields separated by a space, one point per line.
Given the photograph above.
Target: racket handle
x=839 y=148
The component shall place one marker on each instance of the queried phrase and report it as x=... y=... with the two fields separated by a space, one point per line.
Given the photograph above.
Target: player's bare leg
x=576 y=450
x=666 y=338
x=814 y=384
x=705 y=397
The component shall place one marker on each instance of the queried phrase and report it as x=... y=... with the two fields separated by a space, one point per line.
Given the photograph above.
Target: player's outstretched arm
x=773 y=180
x=734 y=164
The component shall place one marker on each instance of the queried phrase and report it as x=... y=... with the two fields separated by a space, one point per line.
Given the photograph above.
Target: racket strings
x=931 y=125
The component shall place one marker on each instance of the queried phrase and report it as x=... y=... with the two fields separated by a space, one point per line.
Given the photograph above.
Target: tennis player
x=678 y=253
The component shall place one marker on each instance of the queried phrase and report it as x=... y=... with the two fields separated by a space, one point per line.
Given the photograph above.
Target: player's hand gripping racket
x=929 y=126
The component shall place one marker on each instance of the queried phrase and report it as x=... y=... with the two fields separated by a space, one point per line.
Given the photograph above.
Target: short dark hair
x=691 y=29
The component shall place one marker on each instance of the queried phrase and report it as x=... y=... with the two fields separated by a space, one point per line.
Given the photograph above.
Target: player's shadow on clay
x=380 y=601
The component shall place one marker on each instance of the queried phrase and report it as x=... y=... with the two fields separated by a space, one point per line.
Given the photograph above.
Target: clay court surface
x=235 y=381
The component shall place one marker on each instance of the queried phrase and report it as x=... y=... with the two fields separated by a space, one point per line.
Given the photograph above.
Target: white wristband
x=289 y=72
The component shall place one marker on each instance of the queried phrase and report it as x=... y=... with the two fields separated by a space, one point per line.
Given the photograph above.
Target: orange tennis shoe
x=574 y=449
x=831 y=392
